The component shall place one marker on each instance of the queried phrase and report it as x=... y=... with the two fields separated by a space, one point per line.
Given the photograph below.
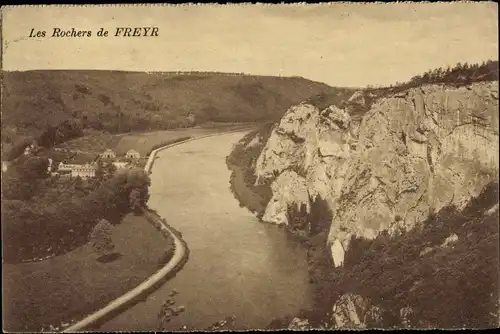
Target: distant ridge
x=123 y=101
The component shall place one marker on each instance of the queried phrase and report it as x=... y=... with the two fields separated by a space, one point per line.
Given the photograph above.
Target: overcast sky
x=339 y=44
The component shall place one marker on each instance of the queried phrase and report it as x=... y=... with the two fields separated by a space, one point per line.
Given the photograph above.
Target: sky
x=340 y=44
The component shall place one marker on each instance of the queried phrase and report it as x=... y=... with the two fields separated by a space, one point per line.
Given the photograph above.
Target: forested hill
x=117 y=101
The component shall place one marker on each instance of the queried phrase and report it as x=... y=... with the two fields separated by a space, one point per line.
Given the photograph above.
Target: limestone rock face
x=288 y=188
x=305 y=156
x=357 y=98
x=410 y=155
x=354 y=311
x=417 y=153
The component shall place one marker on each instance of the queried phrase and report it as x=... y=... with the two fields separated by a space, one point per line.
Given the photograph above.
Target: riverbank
x=240 y=162
x=224 y=277
x=55 y=292
x=172 y=261
x=410 y=278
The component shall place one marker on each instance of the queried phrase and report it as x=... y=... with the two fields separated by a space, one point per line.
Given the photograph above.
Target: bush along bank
x=170 y=263
x=241 y=162
x=177 y=255
x=59 y=213
x=168 y=232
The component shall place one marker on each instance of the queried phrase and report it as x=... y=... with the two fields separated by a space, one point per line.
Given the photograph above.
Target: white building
x=74 y=170
x=109 y=154
x=66 y=168
x=84 y=171
x=132 y=154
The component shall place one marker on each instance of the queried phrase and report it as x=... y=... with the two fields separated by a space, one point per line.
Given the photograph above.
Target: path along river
x=237 y=266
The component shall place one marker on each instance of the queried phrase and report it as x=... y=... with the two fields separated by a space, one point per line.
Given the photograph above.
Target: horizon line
x=183 y=72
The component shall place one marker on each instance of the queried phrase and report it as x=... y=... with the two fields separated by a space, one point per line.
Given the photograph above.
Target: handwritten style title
x=118 y=32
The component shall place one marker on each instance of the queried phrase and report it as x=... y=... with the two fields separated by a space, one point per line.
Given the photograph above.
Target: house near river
x=132 y=154
x=84 y=171
x=85 y=166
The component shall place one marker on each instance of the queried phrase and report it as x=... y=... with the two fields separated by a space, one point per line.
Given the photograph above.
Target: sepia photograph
x=235 y=167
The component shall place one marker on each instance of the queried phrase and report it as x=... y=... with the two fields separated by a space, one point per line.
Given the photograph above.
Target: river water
x=237 y=265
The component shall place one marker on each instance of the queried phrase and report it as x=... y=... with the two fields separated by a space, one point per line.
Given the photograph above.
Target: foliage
x=59 y=213
x=62 y=132
x=101 y=238
x=241 y=161
x=16 y=149
x=135 y=200
x=21 y=179
x=73 y=285
x=459 y=75
x=450 y=286
x=54 y=106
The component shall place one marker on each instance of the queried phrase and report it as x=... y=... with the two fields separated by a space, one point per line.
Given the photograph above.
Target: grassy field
x=66 y=288
x=96 y=142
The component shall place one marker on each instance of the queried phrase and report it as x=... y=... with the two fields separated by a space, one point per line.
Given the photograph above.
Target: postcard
x=249 y=166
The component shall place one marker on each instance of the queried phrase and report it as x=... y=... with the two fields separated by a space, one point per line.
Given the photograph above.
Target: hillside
x=120 y=102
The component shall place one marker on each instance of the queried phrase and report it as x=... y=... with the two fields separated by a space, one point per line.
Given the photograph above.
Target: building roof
x=132 y=151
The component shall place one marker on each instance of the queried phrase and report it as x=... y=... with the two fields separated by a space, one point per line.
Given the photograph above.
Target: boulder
x=354 y=311
x=358 y=98
x=299 y=324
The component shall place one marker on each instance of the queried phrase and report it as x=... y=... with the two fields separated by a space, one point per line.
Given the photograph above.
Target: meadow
x=64 y=289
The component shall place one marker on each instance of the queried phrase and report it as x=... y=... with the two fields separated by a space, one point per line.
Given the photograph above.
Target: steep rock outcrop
x=410 y=155
x=305 y=156
x=358 y=97
x=418 y=152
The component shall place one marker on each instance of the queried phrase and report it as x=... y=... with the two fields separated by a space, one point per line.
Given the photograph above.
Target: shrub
x=101 y=238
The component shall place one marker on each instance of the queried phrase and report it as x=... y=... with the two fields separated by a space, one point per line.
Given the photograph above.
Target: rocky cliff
x=407 y=157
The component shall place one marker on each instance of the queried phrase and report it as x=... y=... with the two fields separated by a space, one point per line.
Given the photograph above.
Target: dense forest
x=461 y=74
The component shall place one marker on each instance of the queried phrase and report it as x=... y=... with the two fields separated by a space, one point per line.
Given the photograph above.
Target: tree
x=32 y=167
x=101 y=239
x=99 y=171
x=109 y=170
x=135 y=200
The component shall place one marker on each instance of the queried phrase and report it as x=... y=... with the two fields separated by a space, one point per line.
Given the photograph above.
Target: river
x=237 y=265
